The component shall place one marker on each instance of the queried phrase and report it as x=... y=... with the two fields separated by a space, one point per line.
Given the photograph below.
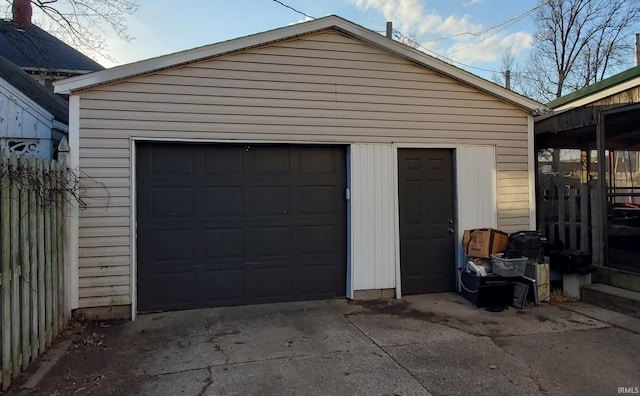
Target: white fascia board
x=600 y=95
x=147 y=66
x=60 y=126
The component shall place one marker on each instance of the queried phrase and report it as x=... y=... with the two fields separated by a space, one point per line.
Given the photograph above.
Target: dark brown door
x=426 y=200
x=238 y=224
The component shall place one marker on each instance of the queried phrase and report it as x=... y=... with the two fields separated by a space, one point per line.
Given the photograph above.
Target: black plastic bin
x=570 y=262
x=486 y=291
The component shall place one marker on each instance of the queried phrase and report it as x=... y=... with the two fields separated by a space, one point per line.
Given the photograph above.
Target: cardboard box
x=484 y=242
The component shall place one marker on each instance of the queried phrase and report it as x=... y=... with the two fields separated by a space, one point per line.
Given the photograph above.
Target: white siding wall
x=476 y=187
x=476 y=190
x=321 y=88
x=373 y=254
x=22 y=118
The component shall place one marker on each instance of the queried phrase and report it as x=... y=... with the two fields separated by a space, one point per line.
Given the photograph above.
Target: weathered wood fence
x=568 y=211
x=33 y=197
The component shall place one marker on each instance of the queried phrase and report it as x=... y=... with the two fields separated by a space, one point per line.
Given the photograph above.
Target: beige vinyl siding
x=320 y=88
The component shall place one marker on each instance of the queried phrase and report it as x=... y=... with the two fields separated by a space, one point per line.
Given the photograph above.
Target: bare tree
x=579 y=42
x=510 y=67
x=409 y=40
x=83 y=23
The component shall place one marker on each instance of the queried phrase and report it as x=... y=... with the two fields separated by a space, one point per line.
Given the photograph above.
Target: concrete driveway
x=431 y=344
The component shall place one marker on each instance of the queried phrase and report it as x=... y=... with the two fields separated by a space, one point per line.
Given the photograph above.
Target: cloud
x=306 y=19
x=446 y=34
x=491 y=48
x=409 y=16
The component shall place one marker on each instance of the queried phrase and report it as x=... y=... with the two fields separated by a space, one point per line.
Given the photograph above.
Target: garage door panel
x=173 y=245
x=223 y=201
x=269 y=241
x=317 y=161
x=221 y=161
x=171 y=290
x=317 y=199
x=172 y=202
x=246 y=224
x=224 y=243
x=269 y=160
x=269 y=280
x=166 y=161
x=318 y=280
x=270 y=200
x=316 y=239
x=222 y=285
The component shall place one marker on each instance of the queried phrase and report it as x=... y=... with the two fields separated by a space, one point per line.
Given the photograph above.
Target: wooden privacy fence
x=568 y=211
x=33 y=197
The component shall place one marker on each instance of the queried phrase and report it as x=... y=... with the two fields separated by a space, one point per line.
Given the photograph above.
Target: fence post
x=15 y=267
x=584 y=217
x=596 y=226
x=46 y=208
x=5 y=247
x=562 y=235
x=33 y=257
x=25 y=283
x=67 y=202
x=553 y=204
x=38 y=170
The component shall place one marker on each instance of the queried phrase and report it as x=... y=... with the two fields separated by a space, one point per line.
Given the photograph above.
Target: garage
x=317 y=160
x=231 y=224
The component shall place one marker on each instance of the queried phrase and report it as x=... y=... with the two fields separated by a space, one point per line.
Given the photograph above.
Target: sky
x=472 y=34
x=455 y=29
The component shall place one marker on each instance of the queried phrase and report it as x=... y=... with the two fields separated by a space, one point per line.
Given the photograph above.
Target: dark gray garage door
x=238 y=224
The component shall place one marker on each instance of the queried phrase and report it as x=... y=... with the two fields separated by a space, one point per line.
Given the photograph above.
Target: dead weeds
x=558 y=296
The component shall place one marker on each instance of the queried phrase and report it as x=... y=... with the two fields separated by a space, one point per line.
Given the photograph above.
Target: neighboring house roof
x=49 y=101
x=82 y=82
x=34 y=49
x=607 y=87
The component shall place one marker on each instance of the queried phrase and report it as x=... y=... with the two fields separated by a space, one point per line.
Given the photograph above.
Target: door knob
x=451 y=230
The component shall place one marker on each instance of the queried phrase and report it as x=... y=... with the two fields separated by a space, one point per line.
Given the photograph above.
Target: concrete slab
x=171 y=342
x=363 y=372
x=466 y=367
x=590 y=362
x=45 y=364
x=453 y=311
x=393 y=330
x=604 y=315
x=432 y=343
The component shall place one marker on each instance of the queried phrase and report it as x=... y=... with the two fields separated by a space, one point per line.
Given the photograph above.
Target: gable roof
x=83 y=82
x=34 y=49
x=35 y=91
x=607 y=87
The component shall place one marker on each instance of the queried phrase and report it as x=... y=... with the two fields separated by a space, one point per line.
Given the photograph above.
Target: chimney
x=22 y=13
